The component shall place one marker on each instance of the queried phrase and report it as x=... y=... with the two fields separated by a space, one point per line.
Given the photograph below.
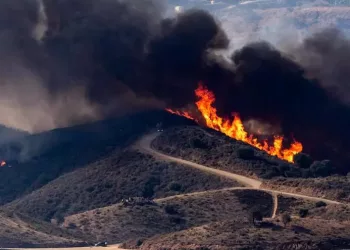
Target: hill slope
x=41 y=158
x=108 y=181
x=20 y=231
x=10 y=134
x=240 y=234
x=118 y=223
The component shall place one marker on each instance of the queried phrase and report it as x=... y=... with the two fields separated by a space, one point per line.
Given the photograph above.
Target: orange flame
x=180 y=113
x=235 y=128
x=3 y=163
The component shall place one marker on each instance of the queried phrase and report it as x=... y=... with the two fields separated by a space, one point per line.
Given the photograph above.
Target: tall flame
x=234 y=128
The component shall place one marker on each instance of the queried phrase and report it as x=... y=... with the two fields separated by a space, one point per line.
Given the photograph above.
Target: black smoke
x=103 y=57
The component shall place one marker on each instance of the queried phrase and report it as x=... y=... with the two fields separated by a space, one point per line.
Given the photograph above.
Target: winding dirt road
x=112 y=247
x=145 y=145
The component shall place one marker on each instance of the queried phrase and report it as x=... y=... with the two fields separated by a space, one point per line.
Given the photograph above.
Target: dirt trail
x=203 y=192
x=144 y=144
x=112 y=247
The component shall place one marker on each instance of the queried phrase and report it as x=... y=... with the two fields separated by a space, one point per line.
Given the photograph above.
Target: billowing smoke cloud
x=100 y=58
x=66 y=62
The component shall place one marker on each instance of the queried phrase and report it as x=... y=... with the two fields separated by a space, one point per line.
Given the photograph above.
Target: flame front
x=180 y=113
x=234 y=128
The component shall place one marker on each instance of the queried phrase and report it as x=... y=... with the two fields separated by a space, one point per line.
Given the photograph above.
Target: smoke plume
x=68 y=61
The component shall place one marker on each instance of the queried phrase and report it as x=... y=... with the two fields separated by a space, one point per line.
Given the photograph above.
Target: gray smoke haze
x=55 y=70
x=69 y=61
x=65 y=62
x=325 y=55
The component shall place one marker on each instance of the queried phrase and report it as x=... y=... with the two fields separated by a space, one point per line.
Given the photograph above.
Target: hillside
x=182 y=207
x=20 y=231
x=38 y=159
x=218 y=151
x=121 y=175
x=240 y=234
x=10 y=134
x=119 y=223
x=334 y=187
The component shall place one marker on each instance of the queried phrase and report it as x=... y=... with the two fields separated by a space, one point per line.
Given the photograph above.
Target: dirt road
x=144 y=144
x=112 y=247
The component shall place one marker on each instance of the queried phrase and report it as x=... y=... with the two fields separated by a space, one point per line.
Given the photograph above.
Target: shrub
x=321 y=204
x=283 y=167
x=269 y=174
x=305 y=173
x=59 y=218
x=303 y=160
x=148 y=189
x=177 y=220
x=174 y=186
x=72 y=225
x=90 y=189
x=293 y=173
x=198 y=143
x=246 y=153
x=139 y=242
x=170 y=209
x=321 y=168
x=303 y=212
x=286 y=219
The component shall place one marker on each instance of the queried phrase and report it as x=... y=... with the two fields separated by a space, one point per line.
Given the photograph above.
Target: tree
x=286 y=219
x=257 y=218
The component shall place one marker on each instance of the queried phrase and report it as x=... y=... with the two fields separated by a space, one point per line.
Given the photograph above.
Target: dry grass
x=239 y=234
x=106 y=182
x=217 y=151
x=118 y=223
x=20 y=231
x=332 y=187
x=293 y=205
x=40 y=158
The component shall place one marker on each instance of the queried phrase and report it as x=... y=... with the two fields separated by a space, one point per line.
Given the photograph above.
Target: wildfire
x=234 y=127
x=180 y=113
x=3 y=164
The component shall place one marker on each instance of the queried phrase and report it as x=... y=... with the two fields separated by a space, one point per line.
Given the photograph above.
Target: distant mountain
x=265 y=19
x=9 y=134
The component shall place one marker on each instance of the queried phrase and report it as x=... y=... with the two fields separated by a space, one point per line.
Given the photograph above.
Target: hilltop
x=40 y=158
